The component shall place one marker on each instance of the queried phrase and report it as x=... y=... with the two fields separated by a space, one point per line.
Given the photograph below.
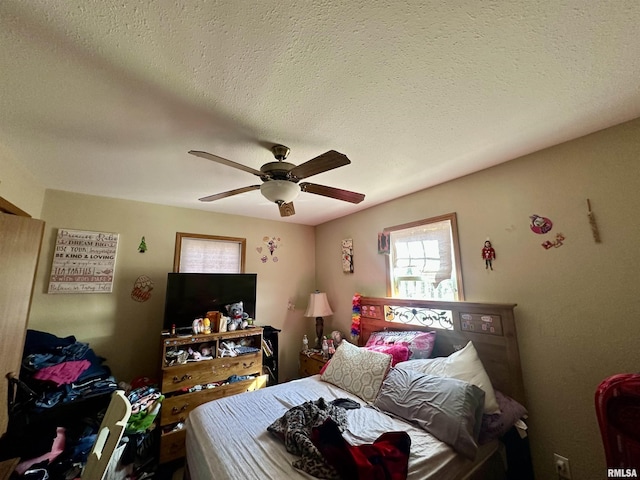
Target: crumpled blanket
x=295 y=428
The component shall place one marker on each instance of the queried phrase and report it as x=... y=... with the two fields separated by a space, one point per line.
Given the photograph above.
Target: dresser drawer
x=172 y=445
x=208 y=371
x=311 y=364
x=176 y=408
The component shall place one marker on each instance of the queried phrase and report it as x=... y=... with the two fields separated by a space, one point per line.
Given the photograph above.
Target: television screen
x=192 y=295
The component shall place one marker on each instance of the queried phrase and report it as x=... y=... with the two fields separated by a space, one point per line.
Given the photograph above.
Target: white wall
x=577 y=304
x=127 y=332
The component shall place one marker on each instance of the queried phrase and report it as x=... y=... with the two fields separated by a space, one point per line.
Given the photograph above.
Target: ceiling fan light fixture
x=277 y=191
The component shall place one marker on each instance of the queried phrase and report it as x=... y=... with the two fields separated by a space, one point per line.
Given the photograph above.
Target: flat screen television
x=192 y=295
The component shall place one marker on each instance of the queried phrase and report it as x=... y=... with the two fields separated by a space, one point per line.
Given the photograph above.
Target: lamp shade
x=318 y=305
x=280 y=190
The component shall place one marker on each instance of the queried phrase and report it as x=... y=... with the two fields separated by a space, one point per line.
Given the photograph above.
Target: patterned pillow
x=420 y=344
x=357 y=370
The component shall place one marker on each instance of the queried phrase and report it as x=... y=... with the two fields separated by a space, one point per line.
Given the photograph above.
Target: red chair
x=618 y=411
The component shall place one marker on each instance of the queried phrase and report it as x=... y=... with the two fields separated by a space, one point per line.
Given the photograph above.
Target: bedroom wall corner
x=127 y=332
x=576 y=301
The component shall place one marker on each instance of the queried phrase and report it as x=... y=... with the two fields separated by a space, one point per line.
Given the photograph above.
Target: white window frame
x=198 y=253
x=422 y=283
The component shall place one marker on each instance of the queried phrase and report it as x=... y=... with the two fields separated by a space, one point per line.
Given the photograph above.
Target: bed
x=230 y=438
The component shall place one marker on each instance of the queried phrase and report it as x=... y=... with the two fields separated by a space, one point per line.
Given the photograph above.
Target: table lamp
x=318 y=307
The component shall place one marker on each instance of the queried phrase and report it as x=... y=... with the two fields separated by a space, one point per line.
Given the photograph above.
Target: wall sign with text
x=83 y=262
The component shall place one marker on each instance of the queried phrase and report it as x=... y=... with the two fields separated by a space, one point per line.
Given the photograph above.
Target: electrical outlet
x=562 y=466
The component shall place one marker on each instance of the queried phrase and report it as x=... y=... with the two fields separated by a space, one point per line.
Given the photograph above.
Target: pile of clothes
x=59 y=402
x=313 y=431
x=56 y=406
x=140 y=439
x=63 y=370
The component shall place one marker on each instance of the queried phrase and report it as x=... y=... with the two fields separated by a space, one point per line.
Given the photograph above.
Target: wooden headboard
x=490 y=326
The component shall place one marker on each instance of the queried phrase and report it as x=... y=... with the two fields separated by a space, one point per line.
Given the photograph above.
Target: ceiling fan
x=280 y=179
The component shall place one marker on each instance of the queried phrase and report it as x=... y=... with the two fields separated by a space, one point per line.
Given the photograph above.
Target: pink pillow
x=420 y=343
x=399 y=351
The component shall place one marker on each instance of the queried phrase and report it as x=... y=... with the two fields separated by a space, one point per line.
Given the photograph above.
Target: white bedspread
x=227 y=439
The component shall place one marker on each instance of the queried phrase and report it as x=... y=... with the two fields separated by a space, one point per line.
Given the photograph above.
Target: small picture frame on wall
x=383 y=243
x=347 y=255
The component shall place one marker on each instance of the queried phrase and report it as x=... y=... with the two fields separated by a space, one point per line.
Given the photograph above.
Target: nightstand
x=311 y=364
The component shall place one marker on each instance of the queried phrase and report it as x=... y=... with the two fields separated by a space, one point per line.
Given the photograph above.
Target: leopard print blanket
x=294 y=428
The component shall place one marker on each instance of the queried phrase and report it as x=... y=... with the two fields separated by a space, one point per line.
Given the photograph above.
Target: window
x=197 y=253
x=424 y=260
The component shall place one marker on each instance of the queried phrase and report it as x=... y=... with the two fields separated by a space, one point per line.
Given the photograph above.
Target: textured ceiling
x=106 y=97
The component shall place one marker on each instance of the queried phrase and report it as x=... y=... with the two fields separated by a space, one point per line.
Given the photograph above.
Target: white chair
x=111 y=430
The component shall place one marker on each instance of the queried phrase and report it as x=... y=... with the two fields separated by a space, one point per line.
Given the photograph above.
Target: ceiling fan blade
x=322 y=163
x=218 y=196
x=337 y=193
x=286 y=209
x=226 y=162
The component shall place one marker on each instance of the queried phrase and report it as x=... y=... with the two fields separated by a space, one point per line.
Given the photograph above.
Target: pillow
x=448 y=408
x=326 y=364
x=399 y=351
x=357 y=370
x=496 y=425
x=420 y=343
x=463 y=365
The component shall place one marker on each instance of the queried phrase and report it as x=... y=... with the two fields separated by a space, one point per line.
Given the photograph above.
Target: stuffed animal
x=205 y=350
x=336 y=336
x=197 y=326
x=194 y=354
x=206 y=325
x=237 y=317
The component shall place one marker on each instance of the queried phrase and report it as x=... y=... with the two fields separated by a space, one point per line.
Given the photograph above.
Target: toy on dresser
x=204 y=352
x=216 y=322
x=238 y=318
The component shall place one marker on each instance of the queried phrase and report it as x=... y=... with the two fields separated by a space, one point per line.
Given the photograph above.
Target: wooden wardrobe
x=20 y=240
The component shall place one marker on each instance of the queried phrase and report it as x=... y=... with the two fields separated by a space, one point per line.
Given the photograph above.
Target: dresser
x=187 y=382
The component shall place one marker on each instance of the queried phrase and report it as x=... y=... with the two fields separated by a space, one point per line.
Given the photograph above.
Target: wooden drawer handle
x=174 y=447
x=176 y=410
x=177 y=379
x=249 y=365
